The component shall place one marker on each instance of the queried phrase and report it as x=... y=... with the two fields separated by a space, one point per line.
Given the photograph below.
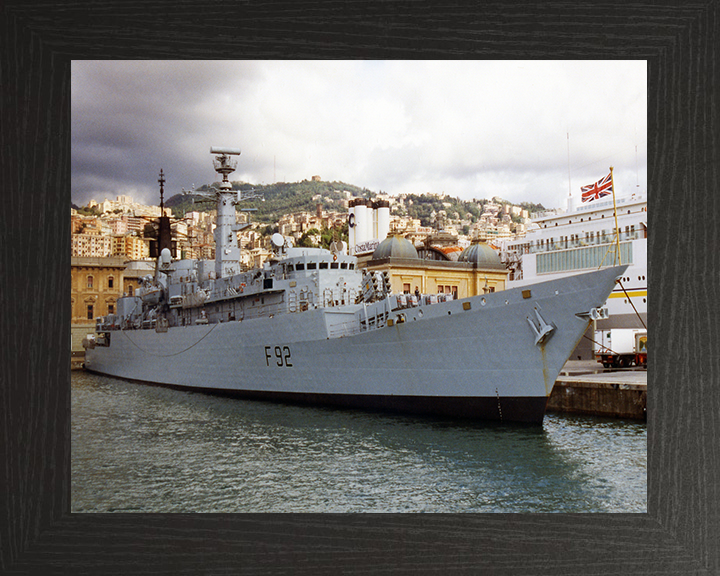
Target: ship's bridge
x=312 y=259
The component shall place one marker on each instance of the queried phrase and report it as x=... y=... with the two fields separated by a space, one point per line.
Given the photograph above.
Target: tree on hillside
x=308 y=238
x=87 y=211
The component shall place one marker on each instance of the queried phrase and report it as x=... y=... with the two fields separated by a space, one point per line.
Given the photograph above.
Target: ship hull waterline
x=474 y=358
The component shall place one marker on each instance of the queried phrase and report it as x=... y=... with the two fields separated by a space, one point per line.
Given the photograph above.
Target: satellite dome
x=395 y=247
x=481 y=255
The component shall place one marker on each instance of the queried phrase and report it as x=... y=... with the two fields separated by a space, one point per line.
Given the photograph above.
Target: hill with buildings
x=313 y=212
x=282 y=198
x=277 y=200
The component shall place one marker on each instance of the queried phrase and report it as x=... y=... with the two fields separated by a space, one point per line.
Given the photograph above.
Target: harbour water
x=138 y=448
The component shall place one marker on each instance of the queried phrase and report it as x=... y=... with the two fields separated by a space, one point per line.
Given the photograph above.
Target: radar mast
x=227 y=250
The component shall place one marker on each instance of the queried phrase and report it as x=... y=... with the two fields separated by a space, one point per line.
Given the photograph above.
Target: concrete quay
x=585 y=387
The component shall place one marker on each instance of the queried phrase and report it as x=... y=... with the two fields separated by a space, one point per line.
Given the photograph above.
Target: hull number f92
x=280 y=356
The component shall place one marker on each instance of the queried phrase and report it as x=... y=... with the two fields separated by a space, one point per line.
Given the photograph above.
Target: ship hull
x=473 y=358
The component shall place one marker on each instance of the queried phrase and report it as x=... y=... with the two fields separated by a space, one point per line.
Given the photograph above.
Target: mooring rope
x=175 y=353
x=633 y=305
x=598 y=343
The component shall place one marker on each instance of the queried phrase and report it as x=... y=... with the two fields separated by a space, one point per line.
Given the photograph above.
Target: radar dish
x=278 y=240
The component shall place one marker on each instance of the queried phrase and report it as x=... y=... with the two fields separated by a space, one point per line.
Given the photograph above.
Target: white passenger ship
x=583 y=238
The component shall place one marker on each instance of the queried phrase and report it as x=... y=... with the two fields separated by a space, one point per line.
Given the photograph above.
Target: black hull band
x=523 y=409
x=526 y=409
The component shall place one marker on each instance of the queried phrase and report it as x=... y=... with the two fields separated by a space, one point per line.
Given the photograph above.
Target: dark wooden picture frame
x=680 y=532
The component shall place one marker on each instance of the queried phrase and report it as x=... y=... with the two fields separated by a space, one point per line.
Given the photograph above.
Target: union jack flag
x=598 y=190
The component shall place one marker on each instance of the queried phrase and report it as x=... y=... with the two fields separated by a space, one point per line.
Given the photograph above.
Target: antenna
x=223 y=164
x=162 y=181
x=223 y=150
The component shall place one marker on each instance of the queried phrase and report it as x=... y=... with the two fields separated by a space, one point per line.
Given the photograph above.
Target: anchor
x=540 y=328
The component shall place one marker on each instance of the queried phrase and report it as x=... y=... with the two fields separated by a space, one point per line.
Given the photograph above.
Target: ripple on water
x=139 y=448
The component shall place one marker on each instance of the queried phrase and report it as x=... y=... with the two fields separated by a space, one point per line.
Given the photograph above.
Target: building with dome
x=477 y=270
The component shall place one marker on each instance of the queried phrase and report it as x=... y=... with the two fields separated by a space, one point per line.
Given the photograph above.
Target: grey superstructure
x=309 y=326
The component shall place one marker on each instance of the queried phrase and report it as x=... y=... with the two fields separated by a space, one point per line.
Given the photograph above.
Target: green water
x=139 y=448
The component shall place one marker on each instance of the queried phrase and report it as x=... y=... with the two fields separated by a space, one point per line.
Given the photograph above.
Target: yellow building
x=478 y=270
x=130 y=247
x=96 y=284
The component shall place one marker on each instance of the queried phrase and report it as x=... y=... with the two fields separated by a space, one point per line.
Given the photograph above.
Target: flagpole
x=569 y=179
x=617 y=229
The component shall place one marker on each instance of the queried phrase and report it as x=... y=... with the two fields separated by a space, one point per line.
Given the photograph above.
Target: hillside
x=288 y=197
x=279 y=199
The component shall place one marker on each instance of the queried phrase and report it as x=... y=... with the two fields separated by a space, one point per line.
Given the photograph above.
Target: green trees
x=278 y=199
x=323 y=238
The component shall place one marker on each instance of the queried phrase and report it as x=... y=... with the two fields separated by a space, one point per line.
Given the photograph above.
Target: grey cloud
x=394 y=126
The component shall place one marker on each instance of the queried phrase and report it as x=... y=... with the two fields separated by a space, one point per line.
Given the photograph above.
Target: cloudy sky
x=471 y=129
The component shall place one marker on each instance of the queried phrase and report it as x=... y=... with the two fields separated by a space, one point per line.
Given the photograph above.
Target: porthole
x=482 y=302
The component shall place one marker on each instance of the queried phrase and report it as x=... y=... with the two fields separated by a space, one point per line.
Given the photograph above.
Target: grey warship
x=310 y=327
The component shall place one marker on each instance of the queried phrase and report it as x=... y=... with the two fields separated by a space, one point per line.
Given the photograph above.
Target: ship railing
x=582 y=242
